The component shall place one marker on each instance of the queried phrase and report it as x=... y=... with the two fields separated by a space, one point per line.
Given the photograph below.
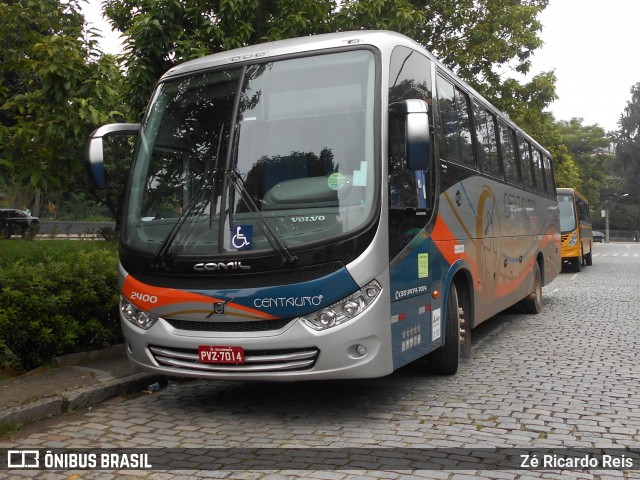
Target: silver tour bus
x=334 y=206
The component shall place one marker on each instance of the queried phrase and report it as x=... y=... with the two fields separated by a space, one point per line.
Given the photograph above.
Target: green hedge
x=56 y=297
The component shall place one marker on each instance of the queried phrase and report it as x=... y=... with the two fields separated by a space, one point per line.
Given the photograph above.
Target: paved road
x=568 y=377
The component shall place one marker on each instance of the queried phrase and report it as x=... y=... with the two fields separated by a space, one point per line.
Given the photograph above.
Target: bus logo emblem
x=219 y=308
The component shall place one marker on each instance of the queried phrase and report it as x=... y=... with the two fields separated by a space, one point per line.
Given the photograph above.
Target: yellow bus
x=575 y=228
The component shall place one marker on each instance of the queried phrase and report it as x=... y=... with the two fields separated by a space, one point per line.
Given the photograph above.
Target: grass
x=6 y=428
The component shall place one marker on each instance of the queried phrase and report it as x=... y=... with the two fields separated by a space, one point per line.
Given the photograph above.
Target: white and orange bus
x=333 y=206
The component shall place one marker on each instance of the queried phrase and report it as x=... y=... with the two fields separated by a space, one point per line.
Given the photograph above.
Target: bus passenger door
x=411 y=201
x=411 y=196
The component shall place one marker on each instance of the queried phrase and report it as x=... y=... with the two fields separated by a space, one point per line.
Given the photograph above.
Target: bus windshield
x=257 y=157
x=567 y=213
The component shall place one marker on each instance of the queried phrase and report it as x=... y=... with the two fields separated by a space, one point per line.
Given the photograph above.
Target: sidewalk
x=75 y=381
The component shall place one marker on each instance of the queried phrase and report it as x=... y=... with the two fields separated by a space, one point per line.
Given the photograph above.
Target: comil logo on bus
x=217 y=266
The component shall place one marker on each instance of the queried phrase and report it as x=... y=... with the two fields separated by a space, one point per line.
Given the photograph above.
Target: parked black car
x=598 y=236
x=13 y=221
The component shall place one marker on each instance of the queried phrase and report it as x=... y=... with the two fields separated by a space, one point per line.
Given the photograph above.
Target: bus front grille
x=256 y=361
x=251 y=326
x=564 y=237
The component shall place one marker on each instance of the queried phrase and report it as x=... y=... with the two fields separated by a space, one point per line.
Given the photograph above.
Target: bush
x=56 y=298
x=106 y=233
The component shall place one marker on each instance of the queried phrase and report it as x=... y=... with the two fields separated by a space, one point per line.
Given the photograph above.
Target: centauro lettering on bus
x=267 y=303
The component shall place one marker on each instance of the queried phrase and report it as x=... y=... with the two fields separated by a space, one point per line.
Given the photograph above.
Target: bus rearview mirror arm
x=94 y=149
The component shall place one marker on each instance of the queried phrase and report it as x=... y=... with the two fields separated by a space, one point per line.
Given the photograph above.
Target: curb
x=75 y=399
x=81 y=358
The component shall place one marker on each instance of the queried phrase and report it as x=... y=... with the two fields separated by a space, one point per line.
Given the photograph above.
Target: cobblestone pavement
x=568 y=377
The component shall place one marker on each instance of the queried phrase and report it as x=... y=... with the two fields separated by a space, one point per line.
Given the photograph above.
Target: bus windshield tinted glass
x=294 y=160
x=567 y=213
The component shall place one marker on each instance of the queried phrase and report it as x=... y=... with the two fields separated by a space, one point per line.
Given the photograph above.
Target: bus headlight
x=573 y=240
x=136 y=316
x=344 y=310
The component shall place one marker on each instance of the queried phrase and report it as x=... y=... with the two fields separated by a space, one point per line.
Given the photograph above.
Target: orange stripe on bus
x=149 y=297
x=446 y=241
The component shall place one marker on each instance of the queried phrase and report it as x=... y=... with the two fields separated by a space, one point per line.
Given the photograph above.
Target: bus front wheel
x=576 y=263
x=444 y=360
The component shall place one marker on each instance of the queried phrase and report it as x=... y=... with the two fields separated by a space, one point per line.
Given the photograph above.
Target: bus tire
x=533 y=302
x=444 y=360
x=588 y=258
x=576 y=263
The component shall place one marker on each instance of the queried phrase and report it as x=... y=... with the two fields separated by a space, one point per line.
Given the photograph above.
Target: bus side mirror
x=94 y=149
x=417 y=131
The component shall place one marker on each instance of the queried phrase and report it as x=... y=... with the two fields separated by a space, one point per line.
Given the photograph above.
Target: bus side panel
x=415 y=316
x=498 y=231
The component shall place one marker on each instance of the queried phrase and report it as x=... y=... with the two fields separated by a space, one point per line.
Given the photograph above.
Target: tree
x=476 y=38
x=162 y=33
x=626 y=164
x=627 y=145
x=479 y=39
x=55 y=87
x=588 y=146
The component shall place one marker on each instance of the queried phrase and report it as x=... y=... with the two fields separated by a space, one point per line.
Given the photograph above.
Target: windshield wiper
x=277 y=245
x=162 y=256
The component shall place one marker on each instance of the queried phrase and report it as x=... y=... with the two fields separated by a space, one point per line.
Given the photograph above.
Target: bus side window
x=464 y=127
x=448 y=121
x=454 y=122
x=539 y=173
x=508 y=149
x=410 y=78
x=525 y=163
x=487 y=145
x=411 y=193
x=583 y=210
x=548 y=171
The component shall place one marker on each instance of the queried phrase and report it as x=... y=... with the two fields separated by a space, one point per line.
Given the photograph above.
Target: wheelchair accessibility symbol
x=242 y=238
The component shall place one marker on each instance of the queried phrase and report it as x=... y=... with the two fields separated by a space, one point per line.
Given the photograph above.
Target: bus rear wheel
x=533 y=303
x=445 y=359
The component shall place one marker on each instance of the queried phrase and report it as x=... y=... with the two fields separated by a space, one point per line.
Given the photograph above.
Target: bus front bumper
x=359 y=348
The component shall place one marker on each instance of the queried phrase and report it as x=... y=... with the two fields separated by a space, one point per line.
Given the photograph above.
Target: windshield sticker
x=336 y=181
x=242 y=238
x=360 y=176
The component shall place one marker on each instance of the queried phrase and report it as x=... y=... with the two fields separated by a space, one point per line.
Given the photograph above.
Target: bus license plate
x=220 y=354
